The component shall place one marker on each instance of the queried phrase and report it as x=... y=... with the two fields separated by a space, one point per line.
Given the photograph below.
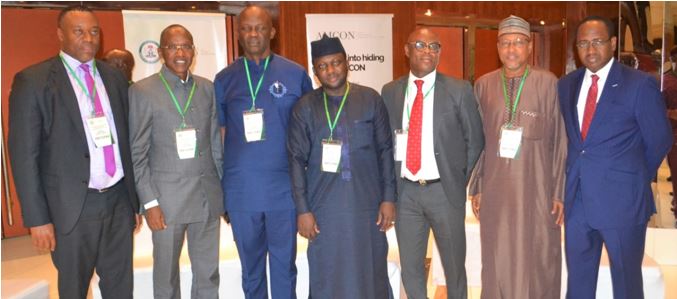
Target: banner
x=367 y=39
x=142 y=38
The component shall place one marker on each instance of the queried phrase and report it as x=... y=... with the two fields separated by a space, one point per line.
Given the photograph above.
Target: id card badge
x=100 y=131
x=510 y=142
x=331 y=155
x=253 y=125
x=400 y=144
x=186 y=143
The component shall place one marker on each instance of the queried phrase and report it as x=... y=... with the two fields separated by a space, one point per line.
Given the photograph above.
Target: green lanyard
x=406 y=92
x=249 y=80
x=91 y=96
x=338 y=113
x=182 y=112
x=512 y=109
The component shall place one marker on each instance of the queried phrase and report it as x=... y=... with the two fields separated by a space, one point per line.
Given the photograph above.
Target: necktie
x=108 y=155
x=414 y=134
x=590 y=104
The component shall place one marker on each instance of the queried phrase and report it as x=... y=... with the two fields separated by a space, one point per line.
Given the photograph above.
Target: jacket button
x=86 y=155
x=85 y=182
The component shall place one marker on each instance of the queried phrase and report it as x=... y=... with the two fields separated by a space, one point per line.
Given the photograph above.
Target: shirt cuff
x=151 y=204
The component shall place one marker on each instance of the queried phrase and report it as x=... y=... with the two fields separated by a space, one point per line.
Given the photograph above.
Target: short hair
x=78 y=7
x=170 y=27
x=610 y=28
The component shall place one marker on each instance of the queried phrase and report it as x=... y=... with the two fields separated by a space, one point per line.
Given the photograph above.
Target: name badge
x=186 y=143
x=400 y=144
x=100 y=131
x=331 y=155
x=510 y=142
x=253 y=125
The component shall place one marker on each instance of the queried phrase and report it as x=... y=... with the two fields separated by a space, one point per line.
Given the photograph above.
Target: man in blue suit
x=618 y=135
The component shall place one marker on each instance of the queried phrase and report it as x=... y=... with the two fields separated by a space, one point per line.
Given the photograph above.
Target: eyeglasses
x=596 y=43
x=175 y=48
x=518 y=43
x=421 y=46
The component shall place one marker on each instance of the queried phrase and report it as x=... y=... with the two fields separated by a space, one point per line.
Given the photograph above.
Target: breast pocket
x=362 y=133
x=531 y=122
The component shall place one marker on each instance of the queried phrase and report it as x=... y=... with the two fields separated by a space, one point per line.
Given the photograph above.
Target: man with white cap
x=517 y=186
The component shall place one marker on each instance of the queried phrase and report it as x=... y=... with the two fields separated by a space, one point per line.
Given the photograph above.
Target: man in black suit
x=69 y=149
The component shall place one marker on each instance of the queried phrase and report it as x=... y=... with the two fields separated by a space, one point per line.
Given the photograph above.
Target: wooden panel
x=530 y=11
x=35 y=42
x=486 y=52
x=292 y=32
x=451 y=61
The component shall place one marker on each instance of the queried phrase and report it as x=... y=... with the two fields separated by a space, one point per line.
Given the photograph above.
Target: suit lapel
x=438 y=104
x=399 y=102
x=607 y=98
x=113 y=100
x=573 y=103
x=65 y=94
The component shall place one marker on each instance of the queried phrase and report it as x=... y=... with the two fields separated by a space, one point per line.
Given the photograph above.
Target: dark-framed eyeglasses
x=518 y=43
x=175 y=48
x=421 y=46
x=595 y=43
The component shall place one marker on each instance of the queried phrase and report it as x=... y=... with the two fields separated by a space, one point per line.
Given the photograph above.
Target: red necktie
x=108 y=154
x=414 y=134
x=590 y=104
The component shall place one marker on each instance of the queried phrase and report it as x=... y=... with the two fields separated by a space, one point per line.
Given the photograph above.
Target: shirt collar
x=74 y=63
x=172 y=78
x=602 y=73
x=262 y=63
x=428 y=80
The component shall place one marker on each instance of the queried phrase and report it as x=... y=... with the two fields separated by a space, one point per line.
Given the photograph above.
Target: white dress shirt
x=428 y=169
x=603 y=74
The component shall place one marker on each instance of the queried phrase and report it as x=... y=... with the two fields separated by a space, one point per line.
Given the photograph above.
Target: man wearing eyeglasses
x=177 y=152
x=517 y=187
x=438 y=138
x=618 y=134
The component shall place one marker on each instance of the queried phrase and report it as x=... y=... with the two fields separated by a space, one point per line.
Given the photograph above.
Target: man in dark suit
x=438 y=139
x=69 y=149
x=618 y=134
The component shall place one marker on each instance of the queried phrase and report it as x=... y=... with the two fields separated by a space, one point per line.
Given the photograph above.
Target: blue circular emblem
x=277 y=89
x=148 y=51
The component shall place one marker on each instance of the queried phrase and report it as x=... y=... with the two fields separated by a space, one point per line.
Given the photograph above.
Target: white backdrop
x=142 y=37
x=367 y=39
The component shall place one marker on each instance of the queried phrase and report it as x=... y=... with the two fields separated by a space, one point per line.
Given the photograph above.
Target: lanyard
x=338 y=113
x=406 y=92
x=91 y=96
x=249 y=81
x=517 y=97
x=182 y=112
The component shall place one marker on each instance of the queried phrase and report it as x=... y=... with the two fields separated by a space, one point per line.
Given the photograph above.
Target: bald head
x=423 y=50
x=122 y=60
x=255 y=28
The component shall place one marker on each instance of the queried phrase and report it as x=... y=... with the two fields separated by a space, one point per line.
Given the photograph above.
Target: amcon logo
x=340 y=34
x=148 y=51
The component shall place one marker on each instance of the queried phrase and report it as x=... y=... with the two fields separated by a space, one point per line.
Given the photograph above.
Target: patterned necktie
x=108 y=155
x=414 y=135
x=590 y=104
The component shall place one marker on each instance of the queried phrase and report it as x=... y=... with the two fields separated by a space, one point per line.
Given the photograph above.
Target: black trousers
x=101 y=240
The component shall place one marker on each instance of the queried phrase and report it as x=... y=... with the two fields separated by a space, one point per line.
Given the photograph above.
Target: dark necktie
x=414 y=134
x=108 y=155
x=590 y=105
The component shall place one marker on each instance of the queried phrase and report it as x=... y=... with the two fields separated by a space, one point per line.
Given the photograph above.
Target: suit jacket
x=48 y=147
x=458 y=134
x=628 y=138
x=188 y=190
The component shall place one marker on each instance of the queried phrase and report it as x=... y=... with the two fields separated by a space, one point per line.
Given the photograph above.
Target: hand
x=139 y=223
x=475 y=201
x=155 y=219
x=386 y=215
x=558 y=208
x=43 y=237
x=307 y=226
